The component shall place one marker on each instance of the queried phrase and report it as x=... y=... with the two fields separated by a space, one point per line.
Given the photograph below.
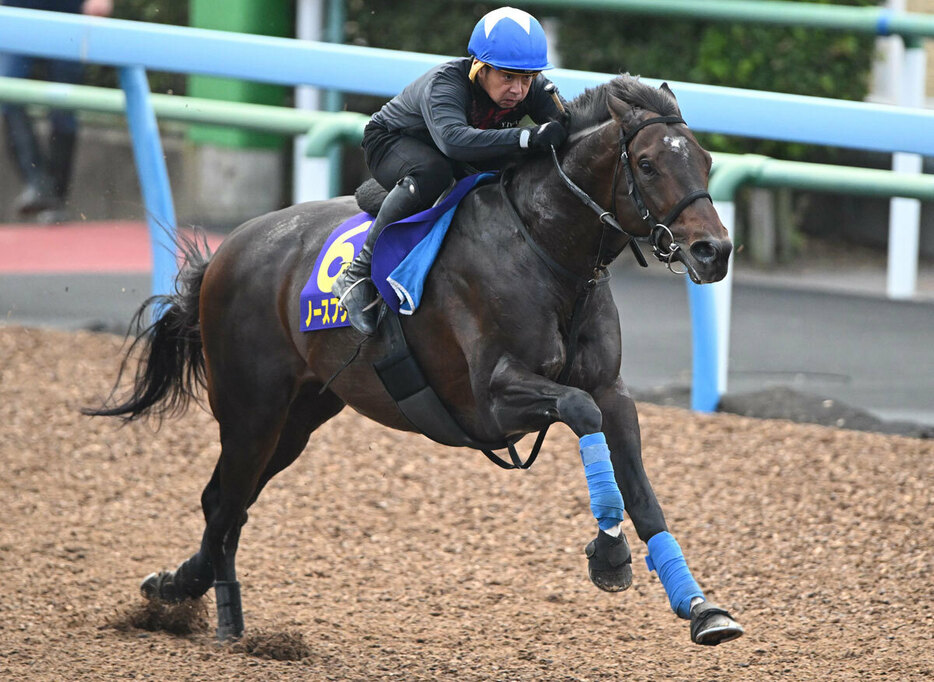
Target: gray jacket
x=445 y=109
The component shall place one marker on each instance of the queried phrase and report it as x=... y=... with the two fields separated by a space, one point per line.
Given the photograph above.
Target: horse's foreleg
x=524 y=401
x=709 y=624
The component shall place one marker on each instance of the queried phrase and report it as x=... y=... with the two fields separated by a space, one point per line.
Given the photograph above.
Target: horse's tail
x=171 y=363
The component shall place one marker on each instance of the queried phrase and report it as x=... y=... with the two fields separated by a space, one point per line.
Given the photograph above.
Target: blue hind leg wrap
x=606 y=502
x=665 y=558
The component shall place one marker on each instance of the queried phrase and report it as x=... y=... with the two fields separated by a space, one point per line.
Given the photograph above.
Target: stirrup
x=354 y=285
x=360 y=311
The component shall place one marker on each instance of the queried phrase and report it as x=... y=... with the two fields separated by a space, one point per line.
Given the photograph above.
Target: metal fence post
x=153 y=178
x=905 y=214
x=710 y=306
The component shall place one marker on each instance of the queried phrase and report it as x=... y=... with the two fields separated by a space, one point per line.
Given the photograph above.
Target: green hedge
x=794 y=60
x=779 y=59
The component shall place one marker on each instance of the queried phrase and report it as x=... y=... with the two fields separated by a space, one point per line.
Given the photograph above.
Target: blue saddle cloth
x=406 y=249
x=402 y=257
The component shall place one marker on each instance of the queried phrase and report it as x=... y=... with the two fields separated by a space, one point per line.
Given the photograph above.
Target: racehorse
x=515 y=332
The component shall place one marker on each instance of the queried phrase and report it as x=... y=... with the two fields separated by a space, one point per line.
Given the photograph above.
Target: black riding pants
x=391 y=156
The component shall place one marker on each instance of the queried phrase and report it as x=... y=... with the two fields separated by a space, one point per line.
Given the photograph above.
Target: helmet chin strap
x=475 y=69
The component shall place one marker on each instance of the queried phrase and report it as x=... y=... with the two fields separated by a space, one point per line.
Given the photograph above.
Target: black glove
x=551 y=134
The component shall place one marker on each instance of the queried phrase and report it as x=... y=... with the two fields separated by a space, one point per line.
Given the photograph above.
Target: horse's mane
x=590 y=107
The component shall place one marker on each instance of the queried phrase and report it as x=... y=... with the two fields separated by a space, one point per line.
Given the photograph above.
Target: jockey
x=459 y=117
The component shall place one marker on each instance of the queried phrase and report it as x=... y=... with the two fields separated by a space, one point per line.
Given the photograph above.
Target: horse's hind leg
x=306 y=413
x=244 y=467
x=241 y=483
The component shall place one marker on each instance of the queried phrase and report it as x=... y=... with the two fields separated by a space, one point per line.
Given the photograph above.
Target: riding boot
x=37 y=194
x=353 y=287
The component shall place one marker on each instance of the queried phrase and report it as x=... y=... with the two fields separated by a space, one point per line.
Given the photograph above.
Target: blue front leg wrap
x=665 y=558
x=606 y=502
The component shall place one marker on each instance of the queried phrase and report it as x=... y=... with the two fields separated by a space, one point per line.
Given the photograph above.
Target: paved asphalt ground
x=844 y=345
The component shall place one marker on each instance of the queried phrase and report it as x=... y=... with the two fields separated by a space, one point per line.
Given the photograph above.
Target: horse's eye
x=646 y=166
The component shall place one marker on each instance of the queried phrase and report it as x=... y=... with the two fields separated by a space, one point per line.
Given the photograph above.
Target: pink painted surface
x=112 y=246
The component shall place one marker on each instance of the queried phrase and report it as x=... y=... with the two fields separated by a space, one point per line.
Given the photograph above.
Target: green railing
x=732 y=171
x=324 y=128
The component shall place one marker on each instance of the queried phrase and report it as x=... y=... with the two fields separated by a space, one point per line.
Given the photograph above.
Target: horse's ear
x=665 y=88
x=621 y=111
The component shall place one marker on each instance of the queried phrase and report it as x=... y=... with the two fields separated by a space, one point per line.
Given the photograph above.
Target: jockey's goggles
x=477 y=65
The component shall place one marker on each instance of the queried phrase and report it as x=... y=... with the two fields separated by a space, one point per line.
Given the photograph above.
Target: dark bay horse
x=513 y=304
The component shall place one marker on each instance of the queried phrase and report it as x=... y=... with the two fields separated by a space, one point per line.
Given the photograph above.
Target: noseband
x=659 y=228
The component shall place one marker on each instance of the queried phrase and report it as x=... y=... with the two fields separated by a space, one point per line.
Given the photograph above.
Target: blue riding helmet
x=510 y=39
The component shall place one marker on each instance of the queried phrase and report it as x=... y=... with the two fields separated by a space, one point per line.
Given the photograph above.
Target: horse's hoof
x=712 y=625
x=151 y=586
x=160 y=587
x=609 y=562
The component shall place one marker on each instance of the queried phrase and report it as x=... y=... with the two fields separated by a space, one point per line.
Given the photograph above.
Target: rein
x=606 y=217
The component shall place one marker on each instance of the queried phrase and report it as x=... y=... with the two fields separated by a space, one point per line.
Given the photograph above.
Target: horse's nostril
x=704 y=251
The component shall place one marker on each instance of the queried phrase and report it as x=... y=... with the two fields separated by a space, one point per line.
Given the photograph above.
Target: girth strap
x=416 y=399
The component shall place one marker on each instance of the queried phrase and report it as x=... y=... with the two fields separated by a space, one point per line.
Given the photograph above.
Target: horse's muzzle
x=706 y=260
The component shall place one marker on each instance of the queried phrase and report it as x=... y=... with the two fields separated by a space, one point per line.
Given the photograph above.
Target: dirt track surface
x=395 y=558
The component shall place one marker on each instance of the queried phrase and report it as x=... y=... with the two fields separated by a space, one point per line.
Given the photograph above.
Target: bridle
x=658 y=228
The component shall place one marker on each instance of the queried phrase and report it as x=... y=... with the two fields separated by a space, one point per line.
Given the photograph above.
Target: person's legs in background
x=22 y=145
x=62 y=137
